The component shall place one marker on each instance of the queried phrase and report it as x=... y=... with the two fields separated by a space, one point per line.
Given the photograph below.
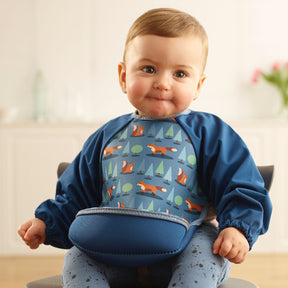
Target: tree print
x=170 y=132
x=192 y=160
x=141 y=168
x=178 y=137
x=151 y=206
x=127 y=188
x=136 y=149
x=123 y=136
x=118 y=135
x=106 y=197
x=110 y=169
x=105 y=175
x=160 y=169
x=151 y=131
x=182 y=155
x=141 y=207
x=168 y=176
x=149 y=172
x=178 y=201
x=170 y=197
x=159 y=135
x=115 y=174
x=118 y=189
x=126 y=150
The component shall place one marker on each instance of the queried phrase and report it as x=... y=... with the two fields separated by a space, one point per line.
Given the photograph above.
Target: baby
x=163 y=158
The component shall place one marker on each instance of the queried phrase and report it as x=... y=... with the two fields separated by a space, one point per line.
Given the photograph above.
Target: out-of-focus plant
x=278 y=77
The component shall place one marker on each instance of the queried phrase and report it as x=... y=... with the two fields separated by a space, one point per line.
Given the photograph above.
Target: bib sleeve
x=79 y=187
x=229 y=176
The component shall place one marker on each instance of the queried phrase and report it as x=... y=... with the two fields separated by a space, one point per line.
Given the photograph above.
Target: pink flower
x=256 y=75
x=286 y=64
x=276 y=66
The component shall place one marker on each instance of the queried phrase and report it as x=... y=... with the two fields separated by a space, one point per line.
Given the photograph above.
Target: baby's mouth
x=159 y=98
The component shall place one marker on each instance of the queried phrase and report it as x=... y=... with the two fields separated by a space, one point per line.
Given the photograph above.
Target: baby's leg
x=197 y=266
x=79 y=270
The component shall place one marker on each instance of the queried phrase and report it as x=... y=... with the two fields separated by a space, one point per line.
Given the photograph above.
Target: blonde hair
x=167 y=22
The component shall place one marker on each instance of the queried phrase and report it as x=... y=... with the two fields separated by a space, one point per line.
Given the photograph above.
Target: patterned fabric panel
x=151 y=165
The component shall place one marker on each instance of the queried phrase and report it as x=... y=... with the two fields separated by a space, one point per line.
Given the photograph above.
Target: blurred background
x=59 y=83
x=68 y=51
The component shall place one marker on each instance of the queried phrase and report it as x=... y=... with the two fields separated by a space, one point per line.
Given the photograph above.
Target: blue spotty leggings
x=195 y=267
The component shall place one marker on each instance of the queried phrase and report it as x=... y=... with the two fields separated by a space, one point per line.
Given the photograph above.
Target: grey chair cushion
x=50 y=282
x=237 y=283
x=55 y=282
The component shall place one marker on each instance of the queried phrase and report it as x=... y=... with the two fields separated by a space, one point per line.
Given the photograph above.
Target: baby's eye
x=149 y=69
x=180 y=74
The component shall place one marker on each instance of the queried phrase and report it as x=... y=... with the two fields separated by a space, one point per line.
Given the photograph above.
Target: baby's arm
x=231 y=244
x=33 y=232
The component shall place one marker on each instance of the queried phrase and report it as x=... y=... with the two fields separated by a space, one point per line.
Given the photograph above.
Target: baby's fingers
x=225 y=249
x=217 y=245
x=34 y=242
x=239 y=258
x=33 y=232
x=24 y=228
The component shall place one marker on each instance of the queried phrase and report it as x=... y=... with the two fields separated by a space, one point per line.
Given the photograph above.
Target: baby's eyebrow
x=184 y=67
x=147 y=60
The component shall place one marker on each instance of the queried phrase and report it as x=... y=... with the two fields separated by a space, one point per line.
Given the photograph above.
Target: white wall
x=78 y=44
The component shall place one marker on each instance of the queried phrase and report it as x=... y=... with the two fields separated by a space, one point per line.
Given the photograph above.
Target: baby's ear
x=122 y=76
x=199 y=86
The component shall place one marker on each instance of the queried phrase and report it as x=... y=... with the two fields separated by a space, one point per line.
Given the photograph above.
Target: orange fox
x=127 y=168
x=110 y=150
x=147 y=187
x=182 y=178
x=138 y=131
x=193 y=206
x=159 y=149
x=110 y=190
x=120 y=205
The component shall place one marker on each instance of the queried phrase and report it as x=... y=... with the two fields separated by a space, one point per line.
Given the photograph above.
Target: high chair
x=55 y=281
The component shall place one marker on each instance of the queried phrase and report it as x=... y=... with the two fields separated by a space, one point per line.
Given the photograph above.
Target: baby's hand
x=33 y=232
x=231 y=244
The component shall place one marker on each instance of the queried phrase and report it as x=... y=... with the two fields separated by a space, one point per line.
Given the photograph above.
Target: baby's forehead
x=178 y=50
x=138 y=42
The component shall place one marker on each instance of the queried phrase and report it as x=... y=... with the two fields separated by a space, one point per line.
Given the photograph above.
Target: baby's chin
x=159 y=115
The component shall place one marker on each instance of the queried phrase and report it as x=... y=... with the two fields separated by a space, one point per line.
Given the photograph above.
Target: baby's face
x=162 y=75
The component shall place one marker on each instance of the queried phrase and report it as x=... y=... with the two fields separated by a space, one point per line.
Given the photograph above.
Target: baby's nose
x=162 y=82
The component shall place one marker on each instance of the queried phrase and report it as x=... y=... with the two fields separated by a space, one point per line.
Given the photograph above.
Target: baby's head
x=167 y=22
x=164 y=60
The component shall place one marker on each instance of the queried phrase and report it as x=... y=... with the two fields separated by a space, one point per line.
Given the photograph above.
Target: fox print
x=160 y=149
x=146 y=187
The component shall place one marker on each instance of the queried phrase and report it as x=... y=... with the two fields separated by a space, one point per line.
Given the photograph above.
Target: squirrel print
x=138 y=131
x=127 y=168
x=160 y=149
x=146 y=187
x=193 y=206
x=182 y=177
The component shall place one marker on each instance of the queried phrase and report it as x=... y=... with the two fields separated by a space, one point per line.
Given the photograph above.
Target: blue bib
x=151 y=165
x=151 y=200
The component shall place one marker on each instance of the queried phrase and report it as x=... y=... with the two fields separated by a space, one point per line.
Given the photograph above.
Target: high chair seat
x=55 y=282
